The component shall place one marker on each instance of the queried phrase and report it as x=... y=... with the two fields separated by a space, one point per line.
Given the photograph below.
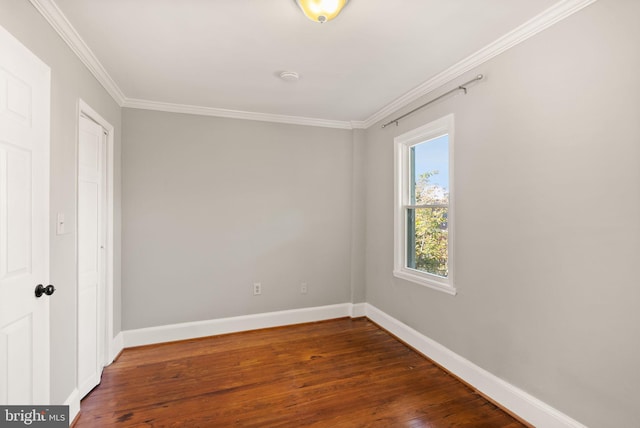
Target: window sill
x=426 y=280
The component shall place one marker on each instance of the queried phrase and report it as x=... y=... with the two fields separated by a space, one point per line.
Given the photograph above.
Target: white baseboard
x=358 y=310
x=191 y=330
x=73 y=401
x=116 y=346
x=510 y=397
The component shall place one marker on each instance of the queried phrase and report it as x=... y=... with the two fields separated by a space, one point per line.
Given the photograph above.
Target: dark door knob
x=48 y=290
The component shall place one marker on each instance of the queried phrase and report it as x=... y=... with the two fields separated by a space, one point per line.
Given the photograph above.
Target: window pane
x=427 y=240
x=429 y=172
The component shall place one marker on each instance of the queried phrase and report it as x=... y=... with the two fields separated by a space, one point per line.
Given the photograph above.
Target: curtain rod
x=462 y=87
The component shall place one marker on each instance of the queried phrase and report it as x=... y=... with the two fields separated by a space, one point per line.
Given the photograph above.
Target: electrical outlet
x=304 y=288
x=257 y=289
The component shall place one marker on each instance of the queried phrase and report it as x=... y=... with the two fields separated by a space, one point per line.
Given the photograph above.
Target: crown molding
x=544 y=20
x=358 y=124
x=235 y=114
x=50 y=11
x=63 y=27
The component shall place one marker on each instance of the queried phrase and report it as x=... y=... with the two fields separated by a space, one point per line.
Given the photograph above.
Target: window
x=424 y=205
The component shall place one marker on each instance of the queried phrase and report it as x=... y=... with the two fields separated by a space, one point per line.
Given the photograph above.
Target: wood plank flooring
x=338 y=373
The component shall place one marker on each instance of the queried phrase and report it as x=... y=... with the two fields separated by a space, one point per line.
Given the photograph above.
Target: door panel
x=91 y=264
x=18 y=212
x=19 y=336
x=24 y=224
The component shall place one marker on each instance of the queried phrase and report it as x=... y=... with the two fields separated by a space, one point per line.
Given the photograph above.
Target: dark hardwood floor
x=339 y=373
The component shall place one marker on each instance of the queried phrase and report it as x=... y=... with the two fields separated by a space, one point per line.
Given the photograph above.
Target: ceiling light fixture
x=321 y=10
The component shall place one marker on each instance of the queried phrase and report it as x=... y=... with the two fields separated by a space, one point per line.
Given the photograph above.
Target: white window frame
x=402 y=171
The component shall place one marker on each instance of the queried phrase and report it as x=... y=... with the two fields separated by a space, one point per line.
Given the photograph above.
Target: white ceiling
x=226 y=54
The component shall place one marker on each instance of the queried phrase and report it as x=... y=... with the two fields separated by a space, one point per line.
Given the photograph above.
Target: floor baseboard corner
x=116 y=347
x=358 y=310
x=512 y=398
x=73 y=401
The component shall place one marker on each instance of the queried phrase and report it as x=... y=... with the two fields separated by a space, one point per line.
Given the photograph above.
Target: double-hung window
x=423 y=205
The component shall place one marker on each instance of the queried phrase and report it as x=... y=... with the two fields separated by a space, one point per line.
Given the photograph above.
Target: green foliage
x=430 y=227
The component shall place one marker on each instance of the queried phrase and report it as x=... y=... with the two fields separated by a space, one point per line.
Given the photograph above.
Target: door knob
x=48 y=290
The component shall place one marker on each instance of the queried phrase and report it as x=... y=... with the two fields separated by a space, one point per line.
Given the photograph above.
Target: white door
x=91 y=254
x=24 y=224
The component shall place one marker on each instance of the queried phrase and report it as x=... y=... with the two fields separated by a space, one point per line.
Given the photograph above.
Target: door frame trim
x=106 y=323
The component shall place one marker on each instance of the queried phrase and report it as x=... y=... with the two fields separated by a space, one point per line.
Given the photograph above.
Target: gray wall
x=70 y=80
x=547 y=163
x=212 y=205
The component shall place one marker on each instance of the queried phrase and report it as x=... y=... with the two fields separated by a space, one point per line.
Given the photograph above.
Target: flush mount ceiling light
x=321 y=10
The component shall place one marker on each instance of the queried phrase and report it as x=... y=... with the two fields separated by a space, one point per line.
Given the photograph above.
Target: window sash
x=411 y=261
x=414 y=207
